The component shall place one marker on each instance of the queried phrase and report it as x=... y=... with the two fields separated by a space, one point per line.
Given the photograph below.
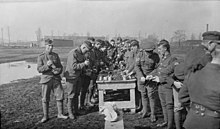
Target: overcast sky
x=108 y=17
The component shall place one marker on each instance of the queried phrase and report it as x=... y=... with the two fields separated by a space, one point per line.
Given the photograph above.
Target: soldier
x=164 y=76
x=92 y=40
x=127 y=52
x=97 y=60
x=146 y=62
x=203 y=89
x=112 y=42
x=76 y=62
x=48 y=63
x=197 y=58
x=88 y=77
x=130 y=70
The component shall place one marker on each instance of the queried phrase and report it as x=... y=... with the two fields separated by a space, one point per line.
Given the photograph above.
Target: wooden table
x=118 y=85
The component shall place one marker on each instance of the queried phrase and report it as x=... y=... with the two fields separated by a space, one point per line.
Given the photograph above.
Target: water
x=17 y=70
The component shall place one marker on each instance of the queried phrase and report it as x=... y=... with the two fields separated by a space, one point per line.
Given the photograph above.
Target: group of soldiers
x=184 y=87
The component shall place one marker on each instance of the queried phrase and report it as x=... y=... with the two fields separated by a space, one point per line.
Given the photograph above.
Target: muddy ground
x=21 y=109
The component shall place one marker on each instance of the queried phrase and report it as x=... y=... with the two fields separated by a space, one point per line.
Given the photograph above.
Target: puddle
x=17 y=70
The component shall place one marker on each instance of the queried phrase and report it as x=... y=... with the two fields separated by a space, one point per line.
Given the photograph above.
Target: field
x=20 y=102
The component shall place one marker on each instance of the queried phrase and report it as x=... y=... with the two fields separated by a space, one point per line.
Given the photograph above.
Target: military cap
x=107 y=43
x=127 y=41
x=147 y=45
x=100 y=41
x=91 y=39
x=88 y=44
x=112 y=40
x=48 y=42
x=134 y=43
x=211 y=35
x=163 y=41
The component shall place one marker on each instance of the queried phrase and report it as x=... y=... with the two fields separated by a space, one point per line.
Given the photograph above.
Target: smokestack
x=207 y=27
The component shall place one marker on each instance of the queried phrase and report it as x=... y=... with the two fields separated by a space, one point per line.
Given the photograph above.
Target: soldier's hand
x=156 y=79
x=142 y=79
x=131 y=73
x=63 y=81
x=86 y=62
x=53 y=66
x=178 y=84
x=49 y=63
x=149 y=77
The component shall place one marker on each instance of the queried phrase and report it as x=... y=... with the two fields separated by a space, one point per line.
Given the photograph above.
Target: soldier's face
x=98 y=45
x=211 y=46
x=134 y=48
x=84 y=49
x=112 y=43
x=161 y=50
x=49 y=48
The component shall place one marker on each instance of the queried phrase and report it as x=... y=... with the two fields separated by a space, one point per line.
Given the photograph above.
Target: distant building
x=26 y=44
x=63 y=43
x=67 y=41
x=191 y=43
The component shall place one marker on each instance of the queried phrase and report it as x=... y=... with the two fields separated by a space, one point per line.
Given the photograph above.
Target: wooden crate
x=116 y=85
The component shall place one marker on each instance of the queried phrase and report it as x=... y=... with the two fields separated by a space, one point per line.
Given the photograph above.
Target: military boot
x=170 y=116
x=76 y=106
x=70 y=108
x=45 y=111
x=177 y=118
x=152 y=108
x=60 y=110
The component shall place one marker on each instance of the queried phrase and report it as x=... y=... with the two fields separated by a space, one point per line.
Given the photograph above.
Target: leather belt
x=201 y=110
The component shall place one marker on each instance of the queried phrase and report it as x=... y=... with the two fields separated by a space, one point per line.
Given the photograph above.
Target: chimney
x=207 y=27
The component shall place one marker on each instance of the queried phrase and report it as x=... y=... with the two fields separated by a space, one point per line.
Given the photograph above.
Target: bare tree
x=179 y=36
x=152 y=38
x=193 y=37
x=38 y=34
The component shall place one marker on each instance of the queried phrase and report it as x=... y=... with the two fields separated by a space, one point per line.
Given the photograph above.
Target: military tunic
x=50 y=78
x=164 y=72
x=146 y=62
x=196 y=59
x=203 y=88
x=73 y=72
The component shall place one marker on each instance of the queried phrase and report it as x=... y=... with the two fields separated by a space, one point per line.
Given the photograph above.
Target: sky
x=107 y=17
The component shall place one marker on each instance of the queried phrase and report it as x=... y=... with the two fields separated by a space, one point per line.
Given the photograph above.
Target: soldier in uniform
x=48 y=63
x=146 y=62
x=197 y=58
x=203 y=89
x=92 y=40
x=130 y=70
x=76 y=62
x=164 y=76
x=89 y=76
x=97 y=60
